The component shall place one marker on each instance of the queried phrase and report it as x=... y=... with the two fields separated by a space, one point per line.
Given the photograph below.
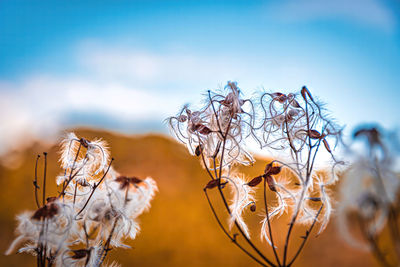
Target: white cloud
x=141 y=66
x=35 y=108
x=373 y=13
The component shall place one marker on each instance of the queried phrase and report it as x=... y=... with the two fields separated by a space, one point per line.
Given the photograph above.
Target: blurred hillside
x=179 y=230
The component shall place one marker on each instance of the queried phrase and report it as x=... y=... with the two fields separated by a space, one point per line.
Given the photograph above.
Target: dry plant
x=369 y=195
x=95 y=210
x=294 y=124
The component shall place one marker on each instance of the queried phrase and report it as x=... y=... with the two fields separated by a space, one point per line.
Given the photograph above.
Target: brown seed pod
x=255 y=181
x=314 y=134
x=268 y=168
x=326 y=145
x=271 y=183
x=272 y=170
x=204 y=130
x=198 y=150
x=212 y=184
x=275 y=170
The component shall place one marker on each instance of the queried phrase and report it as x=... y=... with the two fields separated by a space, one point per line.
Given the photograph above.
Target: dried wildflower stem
x=226 y=203
x=35 y=182
x=308 y=232
x=269 y=224
x=232 y=238
x=242 y=232
x=95 y=187
x=305 y=185
x=217 y=132
x=224 y=136
x=71 y=177
x=106 y=246
x=44 y=178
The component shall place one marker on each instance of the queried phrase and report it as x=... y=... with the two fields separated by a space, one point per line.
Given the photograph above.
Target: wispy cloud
x=37 y=107
x=371 y=13
x=141 y=66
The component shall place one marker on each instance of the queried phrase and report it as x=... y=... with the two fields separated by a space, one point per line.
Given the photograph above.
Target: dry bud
x=199 y=150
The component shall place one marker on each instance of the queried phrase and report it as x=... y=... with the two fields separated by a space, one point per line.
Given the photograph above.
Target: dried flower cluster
x=296 y=125
x=369 y=193
x=95 y=210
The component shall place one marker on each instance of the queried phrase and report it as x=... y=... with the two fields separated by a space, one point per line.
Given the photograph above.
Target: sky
x=127 y=65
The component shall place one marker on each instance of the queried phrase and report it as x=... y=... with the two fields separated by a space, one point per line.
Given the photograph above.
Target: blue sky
x=126 y=65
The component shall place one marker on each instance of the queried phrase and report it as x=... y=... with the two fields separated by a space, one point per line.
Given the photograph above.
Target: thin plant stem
x=269 y=224
x=94 y=187
x=44 y=178
x=233 y=239
x=306 y=236
x=35 y=183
